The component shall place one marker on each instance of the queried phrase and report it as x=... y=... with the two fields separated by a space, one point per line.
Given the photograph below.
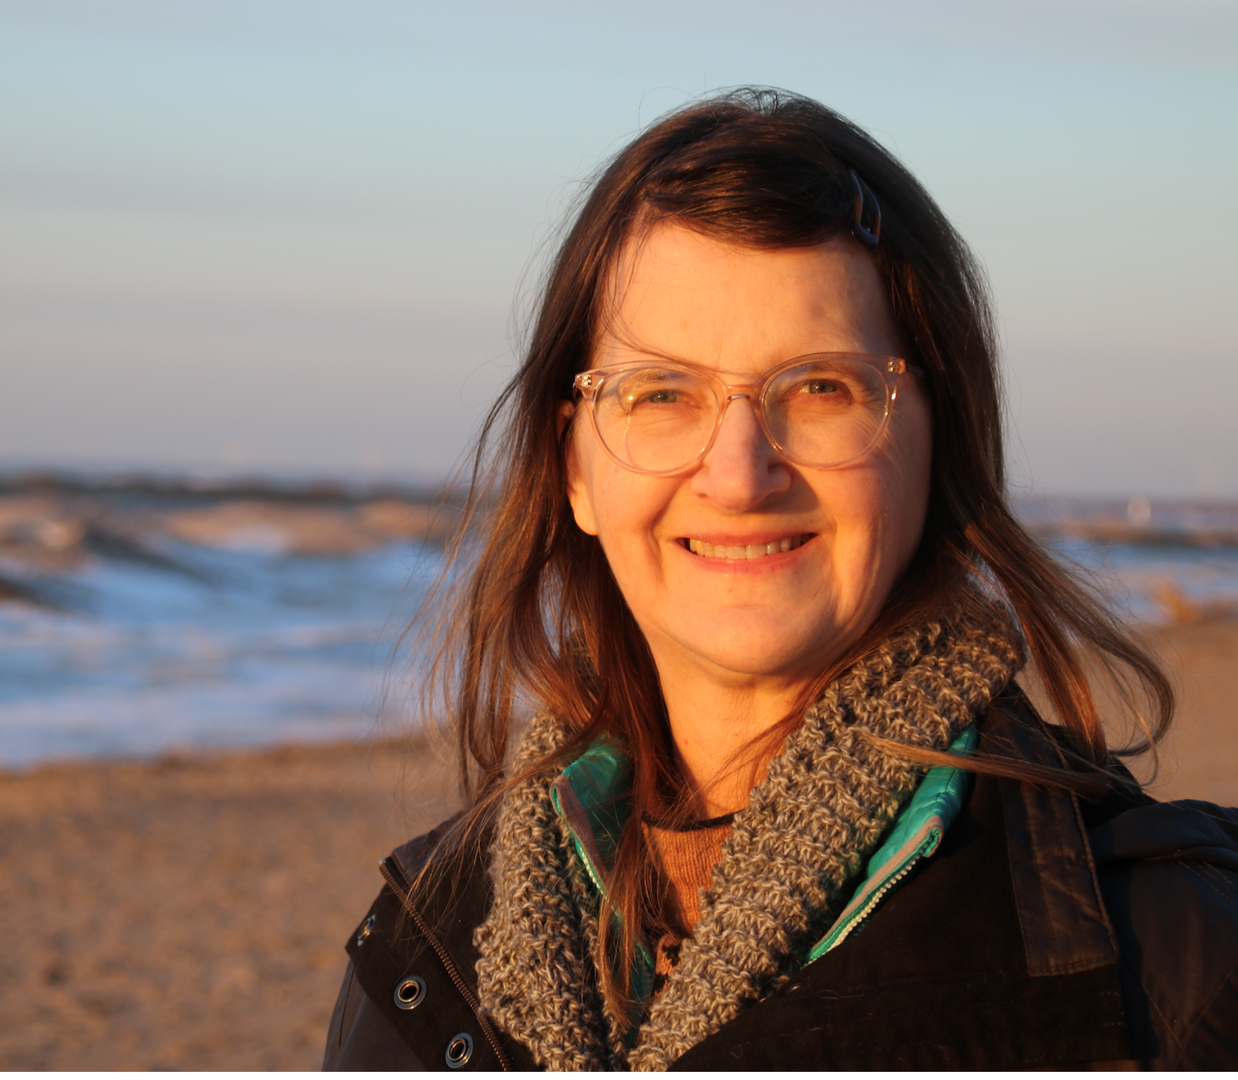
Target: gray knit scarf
x=783 y=876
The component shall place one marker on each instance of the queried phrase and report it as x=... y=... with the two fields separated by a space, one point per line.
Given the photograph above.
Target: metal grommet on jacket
x=367 y=928
x=459 y=1050
x=410 y=992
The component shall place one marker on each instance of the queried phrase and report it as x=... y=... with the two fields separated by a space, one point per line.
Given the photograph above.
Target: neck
x=718 y=731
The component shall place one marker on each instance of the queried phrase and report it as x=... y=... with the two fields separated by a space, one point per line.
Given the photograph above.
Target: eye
x=658 y=390
x=655 y=396
x=820 y=386
x=661 y=397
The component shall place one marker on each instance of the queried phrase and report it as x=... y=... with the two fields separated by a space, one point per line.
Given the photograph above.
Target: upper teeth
x=751 y=551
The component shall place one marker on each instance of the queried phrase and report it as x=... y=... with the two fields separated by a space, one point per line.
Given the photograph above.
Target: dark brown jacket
x=1046 y=931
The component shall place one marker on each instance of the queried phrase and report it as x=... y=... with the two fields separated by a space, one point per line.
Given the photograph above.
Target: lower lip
x=766 y=564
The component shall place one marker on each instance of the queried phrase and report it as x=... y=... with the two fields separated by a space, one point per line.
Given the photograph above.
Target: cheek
x=878 y=512
x=908 y=501
x=628 y=510
x=865 y=544
x=619 y=507
x=908 y=478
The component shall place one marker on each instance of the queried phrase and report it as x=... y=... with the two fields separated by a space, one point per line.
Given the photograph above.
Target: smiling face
x=829 y=543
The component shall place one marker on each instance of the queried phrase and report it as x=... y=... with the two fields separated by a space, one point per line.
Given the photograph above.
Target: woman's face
x=680 y=295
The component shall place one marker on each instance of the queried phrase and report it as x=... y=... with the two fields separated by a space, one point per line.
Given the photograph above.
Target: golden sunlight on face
x=739 y=310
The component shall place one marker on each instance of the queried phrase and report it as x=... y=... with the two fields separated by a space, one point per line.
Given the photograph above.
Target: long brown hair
x=529 y=612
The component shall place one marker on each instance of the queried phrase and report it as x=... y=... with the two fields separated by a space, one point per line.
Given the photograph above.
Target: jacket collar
x=916 y=834
x=592 y=797
x=1064 y=924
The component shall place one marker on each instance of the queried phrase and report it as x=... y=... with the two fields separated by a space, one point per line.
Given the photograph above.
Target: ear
x=577 y=490
x=563 y=416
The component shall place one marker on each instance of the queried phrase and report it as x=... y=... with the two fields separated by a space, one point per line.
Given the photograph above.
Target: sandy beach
x=190 y=913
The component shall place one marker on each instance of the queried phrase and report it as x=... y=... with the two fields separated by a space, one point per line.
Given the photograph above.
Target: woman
x=742 y=537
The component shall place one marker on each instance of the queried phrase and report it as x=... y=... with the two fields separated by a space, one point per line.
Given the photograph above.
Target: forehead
x=682 y=295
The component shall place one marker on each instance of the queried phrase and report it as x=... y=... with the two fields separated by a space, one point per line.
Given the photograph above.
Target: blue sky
x=303 y=237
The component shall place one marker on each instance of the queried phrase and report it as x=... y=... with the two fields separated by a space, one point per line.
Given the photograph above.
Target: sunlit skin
x=736 y=641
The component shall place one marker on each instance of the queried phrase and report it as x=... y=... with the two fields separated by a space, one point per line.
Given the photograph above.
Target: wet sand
x=190 y=913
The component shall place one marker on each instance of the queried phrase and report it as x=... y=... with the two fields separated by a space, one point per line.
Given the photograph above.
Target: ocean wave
x=140 y=619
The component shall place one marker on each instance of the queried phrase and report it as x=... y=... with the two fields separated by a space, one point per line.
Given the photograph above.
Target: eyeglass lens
x=822 y=412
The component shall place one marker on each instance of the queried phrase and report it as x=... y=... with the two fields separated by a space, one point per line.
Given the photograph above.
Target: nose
x=741 y=469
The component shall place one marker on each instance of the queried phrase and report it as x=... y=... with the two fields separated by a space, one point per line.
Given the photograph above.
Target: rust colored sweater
x=685 y=856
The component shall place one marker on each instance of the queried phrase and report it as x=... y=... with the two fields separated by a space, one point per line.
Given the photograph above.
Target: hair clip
x=865 y=200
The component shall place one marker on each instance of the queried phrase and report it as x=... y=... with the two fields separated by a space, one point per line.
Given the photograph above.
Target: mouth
x=707 y=550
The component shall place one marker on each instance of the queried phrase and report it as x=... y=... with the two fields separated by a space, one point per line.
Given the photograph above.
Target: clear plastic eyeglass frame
x=590 y=385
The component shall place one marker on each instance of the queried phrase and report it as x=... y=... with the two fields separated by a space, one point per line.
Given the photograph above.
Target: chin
x=771 y=662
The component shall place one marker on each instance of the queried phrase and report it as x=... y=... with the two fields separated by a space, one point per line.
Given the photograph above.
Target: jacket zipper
x=400 y=887
x=594 y=876
x=860 y=914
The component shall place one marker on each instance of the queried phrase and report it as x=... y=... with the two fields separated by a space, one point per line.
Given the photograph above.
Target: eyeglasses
x=821 y=410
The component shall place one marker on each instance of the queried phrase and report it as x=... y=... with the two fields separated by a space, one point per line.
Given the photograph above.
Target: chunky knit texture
x=821 y=810
x=537 y=976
